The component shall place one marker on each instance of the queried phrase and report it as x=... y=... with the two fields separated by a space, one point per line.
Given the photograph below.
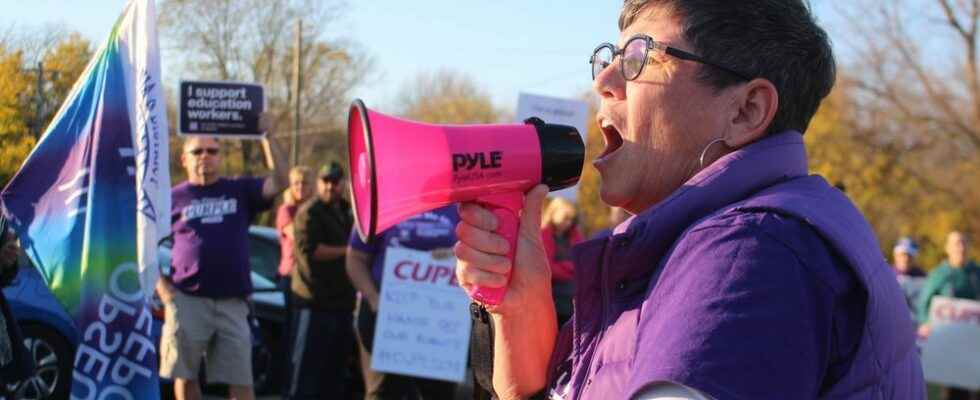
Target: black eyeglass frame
x=652 y=44
x=201 y=150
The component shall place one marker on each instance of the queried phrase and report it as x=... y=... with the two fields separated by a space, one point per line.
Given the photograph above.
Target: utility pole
x=39 y=96
x=297 y=92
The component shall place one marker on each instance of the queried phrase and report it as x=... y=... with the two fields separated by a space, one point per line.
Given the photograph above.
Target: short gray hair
x=777 y=40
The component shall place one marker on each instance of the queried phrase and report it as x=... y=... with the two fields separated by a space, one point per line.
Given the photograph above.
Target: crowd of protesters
x=956 y=277
x=735 y=251
x=331 y=279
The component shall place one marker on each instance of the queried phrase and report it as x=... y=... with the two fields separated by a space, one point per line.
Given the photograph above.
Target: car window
x=259 y=283
x=263 y=256
x=163 y=256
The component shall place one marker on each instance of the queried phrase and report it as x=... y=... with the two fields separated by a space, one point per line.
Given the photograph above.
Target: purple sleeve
x=257 y=202
x=357 y=244
x=736 y=315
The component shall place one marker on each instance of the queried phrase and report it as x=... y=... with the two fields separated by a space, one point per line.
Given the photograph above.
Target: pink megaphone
x=400 y=168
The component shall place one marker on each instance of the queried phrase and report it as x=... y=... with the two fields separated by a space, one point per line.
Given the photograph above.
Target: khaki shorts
x=199 y=327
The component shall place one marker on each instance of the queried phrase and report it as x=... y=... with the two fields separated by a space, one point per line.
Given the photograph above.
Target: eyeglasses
x=210 y=150
x=636 y=54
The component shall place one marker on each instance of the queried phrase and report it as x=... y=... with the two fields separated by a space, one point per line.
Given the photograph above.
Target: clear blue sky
x=507 y=46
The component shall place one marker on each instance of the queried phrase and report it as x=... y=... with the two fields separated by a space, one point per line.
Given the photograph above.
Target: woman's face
x=563 y=220
x=956 y=246
x=656 y=125
x=902 y=260
x=301 y=186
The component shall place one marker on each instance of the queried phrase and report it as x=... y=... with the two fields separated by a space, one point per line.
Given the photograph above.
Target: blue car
x=51 y=336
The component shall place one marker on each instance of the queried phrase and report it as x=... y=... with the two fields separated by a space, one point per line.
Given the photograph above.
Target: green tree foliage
x=24 y=104
x=902 y=130
x=14 y=135
x=882 y=178
x=65 y=62
x=445 y=97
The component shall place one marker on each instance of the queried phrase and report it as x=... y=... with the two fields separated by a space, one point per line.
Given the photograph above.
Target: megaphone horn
x=400 y=168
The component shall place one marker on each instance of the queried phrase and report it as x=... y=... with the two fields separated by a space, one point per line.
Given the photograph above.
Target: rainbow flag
x=91 y=202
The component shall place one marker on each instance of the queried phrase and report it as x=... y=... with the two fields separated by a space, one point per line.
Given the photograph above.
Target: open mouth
x=614 y=140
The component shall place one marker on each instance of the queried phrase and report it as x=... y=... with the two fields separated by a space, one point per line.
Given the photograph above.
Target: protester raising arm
x=275 y=160
x=525 y=327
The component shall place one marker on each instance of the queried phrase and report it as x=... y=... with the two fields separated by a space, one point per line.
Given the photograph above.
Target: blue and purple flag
x=90 y=203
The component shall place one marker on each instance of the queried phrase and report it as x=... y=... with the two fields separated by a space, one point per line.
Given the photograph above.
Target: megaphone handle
x=505 y=206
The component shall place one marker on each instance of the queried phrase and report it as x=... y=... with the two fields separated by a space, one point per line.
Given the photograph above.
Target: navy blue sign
x=226 y=109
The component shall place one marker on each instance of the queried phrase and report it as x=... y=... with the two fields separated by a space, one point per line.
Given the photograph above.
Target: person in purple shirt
x=205 y=296
x=430 y=231
x=740 y=277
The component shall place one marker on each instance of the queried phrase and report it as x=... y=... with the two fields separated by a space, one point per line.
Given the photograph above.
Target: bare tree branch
x=253 y=40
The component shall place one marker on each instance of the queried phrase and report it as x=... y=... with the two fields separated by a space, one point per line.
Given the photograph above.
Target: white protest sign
x=951 y=354
x=423 y=326
x=555 y=110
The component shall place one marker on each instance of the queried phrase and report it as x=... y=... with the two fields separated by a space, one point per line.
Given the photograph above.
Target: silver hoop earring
x=705 y=152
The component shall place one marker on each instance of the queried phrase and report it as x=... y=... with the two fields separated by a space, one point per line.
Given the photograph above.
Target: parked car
x=51 y=335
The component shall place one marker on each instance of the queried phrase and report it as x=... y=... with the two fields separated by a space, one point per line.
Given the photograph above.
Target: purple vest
x=597 y=355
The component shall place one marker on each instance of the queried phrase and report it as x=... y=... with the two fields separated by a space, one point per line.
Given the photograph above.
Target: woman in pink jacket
x=559 y=232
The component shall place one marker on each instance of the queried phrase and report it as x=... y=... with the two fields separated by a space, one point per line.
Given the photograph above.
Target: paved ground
x=463 y=392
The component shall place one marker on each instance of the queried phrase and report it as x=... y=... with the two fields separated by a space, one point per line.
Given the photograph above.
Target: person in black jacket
x=322 y=295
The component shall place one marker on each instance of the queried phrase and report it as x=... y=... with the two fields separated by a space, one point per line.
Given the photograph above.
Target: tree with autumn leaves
x=27 y=108
x=901 y=132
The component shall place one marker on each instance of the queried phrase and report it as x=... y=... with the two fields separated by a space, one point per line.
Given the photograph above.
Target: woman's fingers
x=481 y=239
x=474 y=258
x=477 y=216
x=476 y=277
x=479 y=268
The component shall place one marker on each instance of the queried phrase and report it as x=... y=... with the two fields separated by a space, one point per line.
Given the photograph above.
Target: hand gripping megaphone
x=400 y=168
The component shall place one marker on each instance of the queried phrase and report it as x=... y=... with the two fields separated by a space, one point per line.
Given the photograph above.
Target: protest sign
x=423 y=326
x=555 y=110
x=223 y=109
x=951 y=354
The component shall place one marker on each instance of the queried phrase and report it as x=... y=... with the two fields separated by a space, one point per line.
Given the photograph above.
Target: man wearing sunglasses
x=740 y=277
x=206 y=293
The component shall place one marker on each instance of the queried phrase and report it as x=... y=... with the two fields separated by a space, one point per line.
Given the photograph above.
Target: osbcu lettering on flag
x=223 y=109
x=90 y=203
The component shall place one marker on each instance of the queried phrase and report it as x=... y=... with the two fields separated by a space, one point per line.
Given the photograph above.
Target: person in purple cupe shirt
x=432 y=231
x=205 y=296
x=741 y=276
